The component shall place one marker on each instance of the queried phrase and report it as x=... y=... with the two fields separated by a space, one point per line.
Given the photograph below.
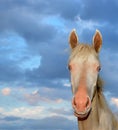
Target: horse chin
x=82 y=115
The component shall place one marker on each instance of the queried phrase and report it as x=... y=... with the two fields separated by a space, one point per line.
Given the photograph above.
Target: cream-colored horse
x=88 y=102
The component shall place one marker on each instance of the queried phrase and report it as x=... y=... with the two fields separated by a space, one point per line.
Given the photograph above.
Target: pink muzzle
x=81 y=103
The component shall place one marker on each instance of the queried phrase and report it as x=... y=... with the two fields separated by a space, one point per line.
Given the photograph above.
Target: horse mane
x=99 y=84
x=107 y=120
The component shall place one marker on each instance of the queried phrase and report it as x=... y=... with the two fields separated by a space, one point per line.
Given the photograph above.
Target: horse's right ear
x=97 y=41
x=73 y=39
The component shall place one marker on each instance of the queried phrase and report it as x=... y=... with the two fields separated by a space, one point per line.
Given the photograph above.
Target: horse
x=88 y=102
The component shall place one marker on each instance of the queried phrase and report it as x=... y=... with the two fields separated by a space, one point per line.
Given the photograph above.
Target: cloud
x=6 y=91
x=45 y=95
x=58 y=122
x=67 y=85
x=100 y=11
x=39 y=112
x=39 y=39
x=109 y=70
x=114 y=101
x=35 y=98
x=111 y=100
x=25 y=112
x=54 y=122
x=38 y=103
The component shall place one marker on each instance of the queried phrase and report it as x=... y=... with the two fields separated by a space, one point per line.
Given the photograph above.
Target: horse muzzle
x=81 y=106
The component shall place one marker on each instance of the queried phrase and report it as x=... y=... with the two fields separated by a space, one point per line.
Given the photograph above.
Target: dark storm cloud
x=53 y=65
x=14 y=21
x=9 y=71
x=21 y=18
x=102 y=10
x=27 y=26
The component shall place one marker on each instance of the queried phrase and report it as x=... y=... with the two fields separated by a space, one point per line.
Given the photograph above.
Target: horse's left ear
x=97 y=41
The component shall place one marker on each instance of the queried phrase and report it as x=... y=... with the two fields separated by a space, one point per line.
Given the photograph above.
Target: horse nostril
x=88 y=103
x=74 y=103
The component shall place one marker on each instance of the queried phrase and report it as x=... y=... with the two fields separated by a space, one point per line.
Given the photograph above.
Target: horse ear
x=97 y=41
x=73 y=39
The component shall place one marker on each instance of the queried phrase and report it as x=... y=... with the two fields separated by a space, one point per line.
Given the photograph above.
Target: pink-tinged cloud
x=6 y=91
x=114 y=101
x=34 y=98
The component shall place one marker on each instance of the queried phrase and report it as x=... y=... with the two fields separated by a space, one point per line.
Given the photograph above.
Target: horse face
x=84 y=67
x=83 y=79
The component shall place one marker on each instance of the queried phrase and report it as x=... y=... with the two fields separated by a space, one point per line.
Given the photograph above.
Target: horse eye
x=98 y=68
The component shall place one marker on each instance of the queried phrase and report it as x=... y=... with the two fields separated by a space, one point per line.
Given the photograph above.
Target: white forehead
x=89 y=59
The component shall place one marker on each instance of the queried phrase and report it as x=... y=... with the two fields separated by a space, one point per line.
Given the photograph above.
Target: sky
x=35 y=90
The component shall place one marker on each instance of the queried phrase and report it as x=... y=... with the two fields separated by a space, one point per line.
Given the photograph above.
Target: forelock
x=83 y=51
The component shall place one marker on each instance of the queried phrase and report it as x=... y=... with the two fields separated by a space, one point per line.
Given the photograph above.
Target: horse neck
x=100 y=117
